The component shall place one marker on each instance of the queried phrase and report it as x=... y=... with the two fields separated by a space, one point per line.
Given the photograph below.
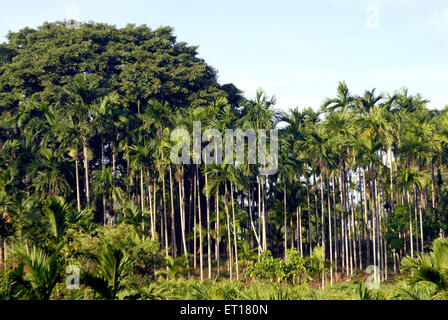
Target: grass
x=193 y=289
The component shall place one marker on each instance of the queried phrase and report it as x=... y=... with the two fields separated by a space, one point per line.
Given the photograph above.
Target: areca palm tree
x=343 y=101
x=81 y=93
x=142 y=156
x=340 y=128
x=430 y=267
x=259 y=115
x=109 y=272
x=49 y=174
x=107 y=185
x=408 y=179
x=68 y=135
x=43 y=271
x=221 y=176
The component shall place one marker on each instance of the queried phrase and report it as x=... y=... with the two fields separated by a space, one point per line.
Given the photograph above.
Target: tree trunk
x=78 y=197
x=201 y=239
x=5 y=253
x=151 y=212
x=391 y=182
x=433 y=189
x=284 y=218
x=217 y=233
x=234 y=233
x=410 y=224
x=330 y=239
x=299 y=230
x=102 y=169
x=86 y=171
x=421 y=225
x=310 y=245
x=333 y=191
x=165 y=217
x=366 y=229
x=416 y=219
x=1 y=252
x=260 y=249
x=154 y=205
x=263 y=217
x=142 y=202
x=194 y=220
x=229 y=241
x=322 y=202
x=182 y=216
x=173 y=223
x=252 y=221
x=209 y=240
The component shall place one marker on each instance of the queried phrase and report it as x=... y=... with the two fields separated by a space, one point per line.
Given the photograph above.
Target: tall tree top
x=137 y=62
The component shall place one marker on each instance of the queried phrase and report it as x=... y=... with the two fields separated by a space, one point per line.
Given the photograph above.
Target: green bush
x=267 y=268
x=279 y=270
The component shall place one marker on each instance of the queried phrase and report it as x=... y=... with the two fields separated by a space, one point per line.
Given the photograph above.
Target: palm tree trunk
x=263 y=217
x=316 y=209
x=299 y=230
x=309 y=220
x=351 y=233
x=260 y=249
x=416 y=219
x=113 y=162
x=229 y=241
x=284 y=218
x=201 y=239
x=1 y=252
x=322 y=202
x=234 y=233
x=194 y=219
x=421 y=223
x=252 y=221
x=344 y=243
x=333 y=191
x=5 y=253
x=375 y=226
x=127 y=175
x=102 y=168
x=154 y=205
x=173 y=223
x=366 y=230
x=182 y=217
x=209 y=240
x=151 y=214
x=322 y=223
x=86 y=171
x=410 y=224
x=217 y=233
x=330 y=239
x=433 y=188
x=142 y=203
x=165 y=217
x=391 y=182
x=78 y=198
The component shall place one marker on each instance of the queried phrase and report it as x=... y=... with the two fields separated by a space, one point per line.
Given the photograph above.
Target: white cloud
x=439 y=18
x=287 y=103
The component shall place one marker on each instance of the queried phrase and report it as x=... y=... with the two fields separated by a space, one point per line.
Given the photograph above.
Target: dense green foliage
x=86 y=180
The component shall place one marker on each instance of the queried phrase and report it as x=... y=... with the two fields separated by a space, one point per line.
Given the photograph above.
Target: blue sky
x=295 y=50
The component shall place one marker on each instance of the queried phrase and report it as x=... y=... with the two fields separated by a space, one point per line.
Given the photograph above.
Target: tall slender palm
x=221 y=176
x=259 y=115
x=82 y=93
